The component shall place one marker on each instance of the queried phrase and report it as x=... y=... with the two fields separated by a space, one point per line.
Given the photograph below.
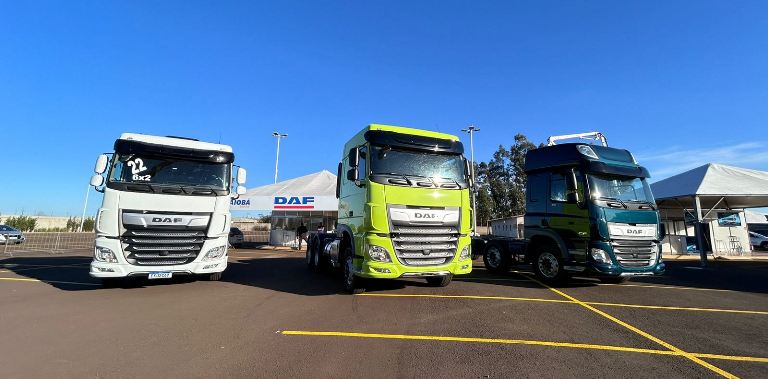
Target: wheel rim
x=548 y=265
x=494 y=257
x=348 y=276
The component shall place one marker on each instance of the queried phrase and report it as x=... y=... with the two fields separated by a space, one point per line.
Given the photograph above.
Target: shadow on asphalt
x=290 y=275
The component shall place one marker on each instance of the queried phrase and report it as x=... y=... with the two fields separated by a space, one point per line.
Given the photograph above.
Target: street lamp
x=471 y=130
x=277 y=158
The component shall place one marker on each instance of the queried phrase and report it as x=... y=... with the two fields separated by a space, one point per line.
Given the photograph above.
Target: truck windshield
x=385 y=160
x=621 y=188
x=169 y=171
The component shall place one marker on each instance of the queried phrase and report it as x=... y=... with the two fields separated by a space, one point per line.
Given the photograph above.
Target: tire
x=318 y=264
x=548 y=265
x=496 y=259
x=615 y=280
x=439 y=281
x=310 y=255
x=352 y=284
x=215 y=277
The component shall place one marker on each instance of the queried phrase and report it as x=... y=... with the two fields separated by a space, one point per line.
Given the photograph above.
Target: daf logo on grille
x=426 y=252
x=634 y=231
x=425 y=215
x=634 y=255
x=174 y=220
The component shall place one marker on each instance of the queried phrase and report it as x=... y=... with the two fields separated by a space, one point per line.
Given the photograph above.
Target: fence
x=49 y=242
x=60 y=242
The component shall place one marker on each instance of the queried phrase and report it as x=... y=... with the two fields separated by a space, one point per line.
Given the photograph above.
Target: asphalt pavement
x=270 y=317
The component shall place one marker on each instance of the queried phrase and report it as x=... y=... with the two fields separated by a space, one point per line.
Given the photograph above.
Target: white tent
x=714 y=185
x=313 y=192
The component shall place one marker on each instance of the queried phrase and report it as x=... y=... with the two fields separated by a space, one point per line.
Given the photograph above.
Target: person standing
x=301 y=234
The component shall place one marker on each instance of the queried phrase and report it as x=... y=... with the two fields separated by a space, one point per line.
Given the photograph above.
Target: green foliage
x=266 y=219
x=73 y=224
x=23 y=223
x=88 y=224
x=500 y=183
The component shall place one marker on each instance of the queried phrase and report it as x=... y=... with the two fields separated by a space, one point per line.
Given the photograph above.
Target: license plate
x=160 y=275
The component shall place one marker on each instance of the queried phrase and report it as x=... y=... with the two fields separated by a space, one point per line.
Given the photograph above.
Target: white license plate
x=160 y=275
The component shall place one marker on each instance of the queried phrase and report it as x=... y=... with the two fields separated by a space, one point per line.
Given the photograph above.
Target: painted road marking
x=49 y=281
x=661 y=307
x=522 y=342
x=647 y=335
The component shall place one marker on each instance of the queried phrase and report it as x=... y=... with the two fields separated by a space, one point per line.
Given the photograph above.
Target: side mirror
x=241 y=175
x=468 y=167
x=572 y=197
x=662 y=231
x=97 y=180
x=354 y=157
x=352 y=174
x=101 y=164
x=241 y=190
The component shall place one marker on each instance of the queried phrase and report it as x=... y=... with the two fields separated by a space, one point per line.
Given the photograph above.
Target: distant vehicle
x=9 y=235
x=758 y=241
x=236 y=237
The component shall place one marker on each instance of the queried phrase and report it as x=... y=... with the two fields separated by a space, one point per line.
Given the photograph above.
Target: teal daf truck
x=589 y=212
x=404 y=209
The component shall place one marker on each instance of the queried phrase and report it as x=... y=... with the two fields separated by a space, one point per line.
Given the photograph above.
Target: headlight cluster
x=102 y=254
x=465 y=254
x=215 y=253
x=378 y=254
x=600 y=256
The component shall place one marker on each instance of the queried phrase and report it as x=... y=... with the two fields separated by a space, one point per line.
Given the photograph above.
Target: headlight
x=378 y=253
x=102 y=254
x=464 y=254
x=600 y=256
x=215 y=253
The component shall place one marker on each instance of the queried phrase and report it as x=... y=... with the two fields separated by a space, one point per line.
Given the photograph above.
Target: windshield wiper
x=623 y=204
x=139 y=187
x=652 y=205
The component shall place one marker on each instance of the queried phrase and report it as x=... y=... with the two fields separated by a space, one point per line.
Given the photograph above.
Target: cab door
x=568 y=217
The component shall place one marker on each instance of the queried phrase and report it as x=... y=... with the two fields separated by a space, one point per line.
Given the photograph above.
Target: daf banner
x=288 y=202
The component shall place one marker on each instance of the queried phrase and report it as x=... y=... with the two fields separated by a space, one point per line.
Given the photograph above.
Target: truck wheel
x=496 y=259
x=548 y=265
x=317 y=258
x=439 y=281
x=352 y=283
x=214 y=277
x=615 y=280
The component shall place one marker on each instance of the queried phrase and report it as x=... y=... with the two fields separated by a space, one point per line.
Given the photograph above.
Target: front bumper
x=123 y=269
x=367 y=268
x=613 y=270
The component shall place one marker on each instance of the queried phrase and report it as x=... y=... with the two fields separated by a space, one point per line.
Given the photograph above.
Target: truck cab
x=165 y=209
x=590 y=211
x=404 y=209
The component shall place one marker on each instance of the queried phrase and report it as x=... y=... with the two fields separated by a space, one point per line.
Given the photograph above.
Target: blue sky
x=678 y=83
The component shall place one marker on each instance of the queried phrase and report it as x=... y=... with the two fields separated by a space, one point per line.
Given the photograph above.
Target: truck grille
x=634 y=254
x=162 y=247
x=424 y=245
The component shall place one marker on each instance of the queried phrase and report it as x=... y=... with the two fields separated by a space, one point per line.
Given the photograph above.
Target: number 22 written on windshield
x=137 y=166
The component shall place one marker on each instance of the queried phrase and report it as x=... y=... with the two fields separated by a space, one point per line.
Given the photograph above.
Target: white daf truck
x=166 y=208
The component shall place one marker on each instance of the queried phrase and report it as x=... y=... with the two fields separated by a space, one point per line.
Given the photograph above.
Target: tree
x=485 y=205
x=503 y=179
x=23 y=223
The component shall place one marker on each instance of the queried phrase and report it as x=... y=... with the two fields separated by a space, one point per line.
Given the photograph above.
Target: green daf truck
x=589 y=212
x=404 y=209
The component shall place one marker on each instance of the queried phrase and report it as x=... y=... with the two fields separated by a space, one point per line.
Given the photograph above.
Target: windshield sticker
x=137 y=166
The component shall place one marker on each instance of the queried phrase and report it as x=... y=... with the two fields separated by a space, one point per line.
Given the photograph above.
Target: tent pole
x=700 y=231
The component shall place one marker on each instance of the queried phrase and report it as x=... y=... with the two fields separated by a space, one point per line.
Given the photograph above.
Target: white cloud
x=674 y=160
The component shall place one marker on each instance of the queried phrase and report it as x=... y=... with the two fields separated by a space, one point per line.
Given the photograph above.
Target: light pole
x=277 y=158
x=471 y=130
x=85 y=206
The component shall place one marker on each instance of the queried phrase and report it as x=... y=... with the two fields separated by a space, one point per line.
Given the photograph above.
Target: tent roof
x=740 y=187
x=321 y=183
x=756 y=218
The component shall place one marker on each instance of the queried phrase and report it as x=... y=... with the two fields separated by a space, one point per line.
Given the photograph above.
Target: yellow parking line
x=647 y=335
x=518 y=342
x=662 y=307
x=48 y=281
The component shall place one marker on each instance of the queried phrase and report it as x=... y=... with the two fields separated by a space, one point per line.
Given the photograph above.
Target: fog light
x=215 y=253
x=102 y=254
x=464 y=267
x=381 y=270
x=378 y=254
x=465 y=254
x=600 y=256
